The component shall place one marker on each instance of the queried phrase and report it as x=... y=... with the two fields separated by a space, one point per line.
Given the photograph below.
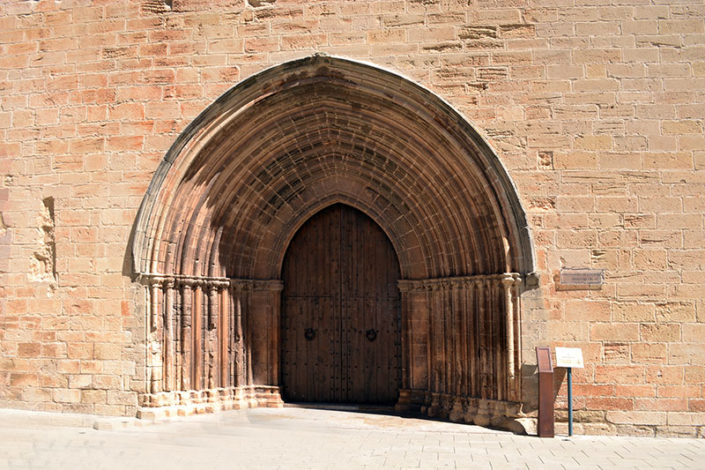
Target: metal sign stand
x=569 y=358
x=570 y=401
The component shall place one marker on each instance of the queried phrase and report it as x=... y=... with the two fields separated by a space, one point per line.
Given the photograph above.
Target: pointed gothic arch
x=223 y=205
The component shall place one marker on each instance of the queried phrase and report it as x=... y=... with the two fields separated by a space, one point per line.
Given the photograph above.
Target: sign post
x=545 y=367
x=570 y=401
x=569 y=358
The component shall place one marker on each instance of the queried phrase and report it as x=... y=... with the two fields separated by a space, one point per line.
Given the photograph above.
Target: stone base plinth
x=491 y=413
x=156 y=406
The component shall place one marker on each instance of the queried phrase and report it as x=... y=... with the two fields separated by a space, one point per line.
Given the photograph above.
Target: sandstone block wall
x=596 y=107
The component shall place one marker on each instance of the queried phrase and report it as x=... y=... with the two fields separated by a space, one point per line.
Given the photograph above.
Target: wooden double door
x=341 y=339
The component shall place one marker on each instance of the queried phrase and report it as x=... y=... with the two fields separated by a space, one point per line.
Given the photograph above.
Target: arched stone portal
x=223 y=206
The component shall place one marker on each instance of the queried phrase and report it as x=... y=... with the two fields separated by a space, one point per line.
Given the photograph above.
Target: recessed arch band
x=324 y=128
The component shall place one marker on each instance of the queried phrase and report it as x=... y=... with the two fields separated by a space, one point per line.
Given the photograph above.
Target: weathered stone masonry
x=589 y=114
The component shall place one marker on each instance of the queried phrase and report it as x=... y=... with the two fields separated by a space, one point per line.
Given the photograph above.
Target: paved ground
x=298 y=438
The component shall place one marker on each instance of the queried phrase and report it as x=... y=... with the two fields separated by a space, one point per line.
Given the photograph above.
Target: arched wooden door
x=341 y=311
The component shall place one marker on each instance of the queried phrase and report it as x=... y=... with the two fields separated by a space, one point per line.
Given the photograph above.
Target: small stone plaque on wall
x=580 y=279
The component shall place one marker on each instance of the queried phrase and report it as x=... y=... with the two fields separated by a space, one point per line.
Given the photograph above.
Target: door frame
x=395 y=361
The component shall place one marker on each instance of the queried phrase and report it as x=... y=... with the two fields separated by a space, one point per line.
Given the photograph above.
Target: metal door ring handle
x=371 y=334
x=309 y=334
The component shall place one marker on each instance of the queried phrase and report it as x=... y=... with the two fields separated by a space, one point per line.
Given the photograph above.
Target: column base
x=499 y=414
x=163 y=405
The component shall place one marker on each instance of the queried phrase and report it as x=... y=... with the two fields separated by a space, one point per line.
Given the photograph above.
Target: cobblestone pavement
x=300 y=438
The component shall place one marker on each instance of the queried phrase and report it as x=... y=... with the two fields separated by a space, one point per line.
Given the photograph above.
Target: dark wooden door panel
x=340 y=284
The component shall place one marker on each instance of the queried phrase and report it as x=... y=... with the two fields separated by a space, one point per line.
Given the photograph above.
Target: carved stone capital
x=455 y=282
x=272 y=285
x=241 y=285
x=508 y=280
x=188 y=283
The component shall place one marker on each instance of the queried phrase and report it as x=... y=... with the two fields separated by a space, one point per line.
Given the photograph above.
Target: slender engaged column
x=186 y=334
x=211 y=346
x=168 y=288
x=197 y=369
x=223 y=332
x=507 y=284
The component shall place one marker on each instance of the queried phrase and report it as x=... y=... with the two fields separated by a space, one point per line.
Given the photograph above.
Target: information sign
x=569 y=357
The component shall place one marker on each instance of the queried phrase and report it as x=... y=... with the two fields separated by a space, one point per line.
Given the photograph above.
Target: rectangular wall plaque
x=580 y=278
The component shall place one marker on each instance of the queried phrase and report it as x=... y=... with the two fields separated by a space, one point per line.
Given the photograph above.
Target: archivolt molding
x=228 y=195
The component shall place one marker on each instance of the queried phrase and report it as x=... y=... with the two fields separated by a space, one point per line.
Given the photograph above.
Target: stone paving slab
x=301 y=438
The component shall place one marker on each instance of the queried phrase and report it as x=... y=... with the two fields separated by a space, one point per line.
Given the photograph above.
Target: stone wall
x=595 y=108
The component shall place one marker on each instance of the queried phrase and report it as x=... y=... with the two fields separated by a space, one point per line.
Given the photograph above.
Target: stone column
x=197 y=369
x=223 y=335
x=264 y=326
x=211 y=344
x=154 y=339
x=169 y=350
x=238 y=295
x=415 y=345
x=186 y=333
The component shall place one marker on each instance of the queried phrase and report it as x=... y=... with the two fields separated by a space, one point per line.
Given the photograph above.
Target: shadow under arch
x=212 y=230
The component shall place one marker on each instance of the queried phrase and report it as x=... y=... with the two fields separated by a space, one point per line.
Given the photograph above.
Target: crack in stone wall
x=43 y=263
x=3 y=226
